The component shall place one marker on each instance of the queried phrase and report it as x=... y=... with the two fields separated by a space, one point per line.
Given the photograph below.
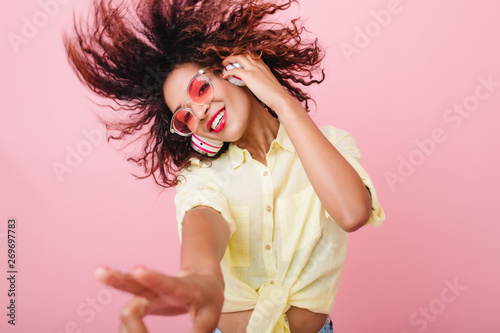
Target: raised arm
x=337 y=184
x=335 y=181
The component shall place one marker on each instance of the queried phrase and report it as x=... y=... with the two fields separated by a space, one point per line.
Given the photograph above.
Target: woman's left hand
x=259 y=79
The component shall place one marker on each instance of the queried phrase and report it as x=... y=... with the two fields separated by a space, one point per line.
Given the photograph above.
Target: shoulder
x=342 y=140
x=202 y=170
x=334 y=134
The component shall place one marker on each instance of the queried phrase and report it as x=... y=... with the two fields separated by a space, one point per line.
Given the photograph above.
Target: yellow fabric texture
x=285 y=249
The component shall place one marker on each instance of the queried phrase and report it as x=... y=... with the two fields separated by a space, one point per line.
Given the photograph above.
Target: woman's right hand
x=202 y=295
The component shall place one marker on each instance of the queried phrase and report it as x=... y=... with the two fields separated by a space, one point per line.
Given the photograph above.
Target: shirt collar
x=238 y=155
x=283 y=140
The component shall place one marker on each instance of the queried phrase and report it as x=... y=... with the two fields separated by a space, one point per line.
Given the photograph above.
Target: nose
x=199 y=110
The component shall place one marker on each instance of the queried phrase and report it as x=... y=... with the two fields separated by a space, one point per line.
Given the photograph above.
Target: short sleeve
x=196 y=189
x=346 y=145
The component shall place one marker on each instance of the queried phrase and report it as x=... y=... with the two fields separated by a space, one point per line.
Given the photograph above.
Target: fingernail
x=100 y=271
x=106 y=268
x=137 y=267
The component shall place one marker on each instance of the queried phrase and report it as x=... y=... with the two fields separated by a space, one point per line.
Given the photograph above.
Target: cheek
x=240 y=97
x=234 y=96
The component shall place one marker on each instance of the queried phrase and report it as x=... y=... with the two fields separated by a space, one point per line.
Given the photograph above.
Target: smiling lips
x=217 y=122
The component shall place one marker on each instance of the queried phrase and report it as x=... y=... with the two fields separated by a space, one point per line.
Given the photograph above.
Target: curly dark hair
x=127 y=58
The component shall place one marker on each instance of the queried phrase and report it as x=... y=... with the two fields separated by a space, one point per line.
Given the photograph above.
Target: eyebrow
x=177 y=108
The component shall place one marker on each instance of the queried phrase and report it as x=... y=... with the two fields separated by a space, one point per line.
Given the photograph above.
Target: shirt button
x=266 y=173
x=269 y=208
x=271 y=282
x=268 y=247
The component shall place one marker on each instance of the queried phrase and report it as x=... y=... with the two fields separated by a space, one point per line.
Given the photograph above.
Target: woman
x=265 y=198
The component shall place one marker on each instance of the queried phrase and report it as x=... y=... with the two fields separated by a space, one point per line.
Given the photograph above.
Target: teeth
x=217 y=119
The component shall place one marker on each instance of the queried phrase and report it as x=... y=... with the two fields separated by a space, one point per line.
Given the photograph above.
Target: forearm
x=205 y=236
x=334 y=180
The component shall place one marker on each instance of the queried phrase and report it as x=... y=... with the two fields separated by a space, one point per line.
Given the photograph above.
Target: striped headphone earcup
x=206 y=146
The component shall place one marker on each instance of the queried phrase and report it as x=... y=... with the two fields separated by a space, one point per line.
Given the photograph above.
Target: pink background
x=442 y=213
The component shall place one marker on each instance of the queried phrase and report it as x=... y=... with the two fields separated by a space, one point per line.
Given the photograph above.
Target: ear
x=205 y=146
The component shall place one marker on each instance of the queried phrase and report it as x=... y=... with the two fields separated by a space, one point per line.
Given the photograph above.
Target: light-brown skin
x=198 y=288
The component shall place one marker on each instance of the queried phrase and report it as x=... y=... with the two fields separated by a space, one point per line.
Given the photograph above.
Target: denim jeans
x=327 y=328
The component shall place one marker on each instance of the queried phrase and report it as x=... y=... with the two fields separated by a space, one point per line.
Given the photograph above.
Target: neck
x=262 y=129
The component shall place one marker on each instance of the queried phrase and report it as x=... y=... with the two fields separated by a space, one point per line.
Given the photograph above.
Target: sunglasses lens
x=200 y=90
x=183 y=121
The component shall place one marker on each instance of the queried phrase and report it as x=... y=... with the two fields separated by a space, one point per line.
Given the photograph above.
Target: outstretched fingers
x=122 y=281
x=155 y=293
x=200 y=295
x=169 y=287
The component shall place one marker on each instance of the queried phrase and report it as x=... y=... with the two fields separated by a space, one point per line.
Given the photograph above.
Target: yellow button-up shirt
x=285 y=249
